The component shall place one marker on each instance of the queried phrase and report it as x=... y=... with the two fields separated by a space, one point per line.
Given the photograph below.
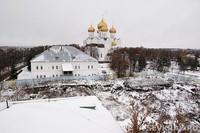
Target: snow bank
x=134 y=83
x=25 y=74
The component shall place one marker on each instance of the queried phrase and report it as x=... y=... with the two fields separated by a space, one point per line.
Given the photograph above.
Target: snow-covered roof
x=58 y=116
x=67 y=67
x=63 y=54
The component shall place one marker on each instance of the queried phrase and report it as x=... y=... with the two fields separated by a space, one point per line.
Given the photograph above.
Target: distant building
x=60 y=61
x=99 y=46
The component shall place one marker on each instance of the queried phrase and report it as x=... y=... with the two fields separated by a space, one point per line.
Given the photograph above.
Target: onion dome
x=114 y=43
x=101 y=24
x=112 y=30
x=91 y=29
x=104 y=29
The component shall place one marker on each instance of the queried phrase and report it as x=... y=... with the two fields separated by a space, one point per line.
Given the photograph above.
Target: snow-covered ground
x=162 y=100
x=69 y=115
x=116 y=98
x=25 y=74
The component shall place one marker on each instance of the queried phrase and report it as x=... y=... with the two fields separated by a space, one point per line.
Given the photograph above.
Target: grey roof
x=63 y=54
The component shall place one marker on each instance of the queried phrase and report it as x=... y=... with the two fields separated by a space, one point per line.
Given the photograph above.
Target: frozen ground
x=148 y=91
x=117 y=98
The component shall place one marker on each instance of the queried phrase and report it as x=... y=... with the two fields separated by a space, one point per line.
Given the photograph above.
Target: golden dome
x=91 y=29
x=101 y=24
x=112 y=30
x=104 y=29
x=114 y=43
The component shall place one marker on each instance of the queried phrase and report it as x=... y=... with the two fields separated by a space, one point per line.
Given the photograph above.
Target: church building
x=101 y=44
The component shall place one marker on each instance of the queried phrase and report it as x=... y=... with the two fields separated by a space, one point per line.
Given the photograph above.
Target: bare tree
x=119 y=62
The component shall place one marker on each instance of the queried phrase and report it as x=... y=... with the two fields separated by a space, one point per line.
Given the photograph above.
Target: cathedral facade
x=101 y=43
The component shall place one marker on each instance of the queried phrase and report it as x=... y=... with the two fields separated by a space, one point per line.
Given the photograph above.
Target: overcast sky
x=147 y=23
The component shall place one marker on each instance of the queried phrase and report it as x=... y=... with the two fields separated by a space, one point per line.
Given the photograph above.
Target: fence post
x=7 y=104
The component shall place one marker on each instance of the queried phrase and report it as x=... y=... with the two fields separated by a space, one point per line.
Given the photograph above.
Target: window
x=37 y=76
x=56 y=75
x=36 y=67
x=44 y=76
x=52 y=67
x=88 y=67
x=40 y=76
x=101 y=55
x=56 y=67
x=53 y=76
x=41 y=67
x=92 y=66
x=75 y=67
x=60 y=75
x=75 y=74
x=78 y=67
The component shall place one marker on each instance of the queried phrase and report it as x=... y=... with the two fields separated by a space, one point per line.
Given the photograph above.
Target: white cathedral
x=101 y=45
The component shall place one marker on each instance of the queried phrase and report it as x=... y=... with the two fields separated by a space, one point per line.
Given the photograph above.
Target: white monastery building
x=99 y=46
x=61 y=60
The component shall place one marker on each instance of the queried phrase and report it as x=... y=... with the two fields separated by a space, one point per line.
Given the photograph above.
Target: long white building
x=99 y=46
x=60 y=61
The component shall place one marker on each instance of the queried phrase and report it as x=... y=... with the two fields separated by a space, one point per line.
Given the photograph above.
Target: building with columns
x=99 y=44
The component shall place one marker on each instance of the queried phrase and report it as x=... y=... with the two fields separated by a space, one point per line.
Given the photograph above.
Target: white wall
x=85 y=69
x=47 y=70
x=102 y=54
x=80 y=69
x=107 y=43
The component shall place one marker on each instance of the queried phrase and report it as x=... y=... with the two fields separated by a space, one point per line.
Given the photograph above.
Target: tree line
x=122 y=60
x=13 y=58
x=130 y=60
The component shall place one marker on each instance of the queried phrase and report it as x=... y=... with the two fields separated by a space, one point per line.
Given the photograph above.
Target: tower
x=102 y=29
x=91 y=31
x=100 y=45
x=112 y=32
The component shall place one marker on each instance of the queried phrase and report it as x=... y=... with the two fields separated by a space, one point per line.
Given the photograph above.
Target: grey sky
x=147 y=23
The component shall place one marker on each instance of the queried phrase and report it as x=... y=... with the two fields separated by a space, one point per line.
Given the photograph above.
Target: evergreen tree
x=28 y=59
x=13 y=72
x=163 y=63
x=142 y=62
x=195 y=63
x=182 y=63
